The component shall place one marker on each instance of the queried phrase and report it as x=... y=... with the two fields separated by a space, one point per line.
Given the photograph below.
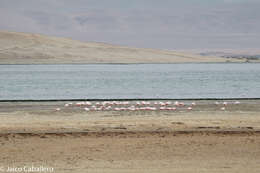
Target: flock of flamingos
x=138 y=105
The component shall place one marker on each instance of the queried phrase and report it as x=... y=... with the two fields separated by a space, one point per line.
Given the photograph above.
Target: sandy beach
x=204 y=139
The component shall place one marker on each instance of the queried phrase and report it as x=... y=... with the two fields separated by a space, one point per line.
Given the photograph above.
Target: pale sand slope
x=128 y=142
x=25 y=48
x=137 y=153
x=205 y=139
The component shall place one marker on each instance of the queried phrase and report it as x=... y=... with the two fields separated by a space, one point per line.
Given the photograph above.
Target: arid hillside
x=25 y=48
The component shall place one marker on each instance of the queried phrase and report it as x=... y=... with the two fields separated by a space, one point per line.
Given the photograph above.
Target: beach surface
x=71 y=139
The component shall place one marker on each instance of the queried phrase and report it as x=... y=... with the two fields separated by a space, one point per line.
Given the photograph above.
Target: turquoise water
x=174 y=81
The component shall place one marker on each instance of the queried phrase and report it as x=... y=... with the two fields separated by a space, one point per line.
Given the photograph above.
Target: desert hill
x=26 y=48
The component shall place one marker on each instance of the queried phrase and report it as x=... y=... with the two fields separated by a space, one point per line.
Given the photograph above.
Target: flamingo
x=102 y=108
x=57 y=109
x=88 y=103
x=108 y=108
x=142 y=108
x=237 y=102
x=150 y=108
x=146 y=108
x=162 y=108
x=162 y=103
x=116 y=109
x=153 y=108
x=173 y=108
x=79 y=103
x=93 y=108
x=181 y=104
x=168 y=109
x=168 y=103
x=189 y=108
x=143 y=103
x=223 y=108
x=131 y=108
x=86 y=109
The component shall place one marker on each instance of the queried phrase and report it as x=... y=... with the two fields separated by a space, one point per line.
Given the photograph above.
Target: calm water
x=129 y=81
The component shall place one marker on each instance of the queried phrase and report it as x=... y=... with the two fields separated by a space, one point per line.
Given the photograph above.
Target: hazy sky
x=166 y=24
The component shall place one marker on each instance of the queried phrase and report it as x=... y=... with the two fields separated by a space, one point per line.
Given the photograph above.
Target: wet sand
x=205 y=139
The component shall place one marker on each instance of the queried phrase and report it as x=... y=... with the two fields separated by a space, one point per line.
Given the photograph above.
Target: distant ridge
x=26 y=48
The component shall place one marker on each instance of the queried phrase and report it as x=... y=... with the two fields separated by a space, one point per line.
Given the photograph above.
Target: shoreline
x=93 y=116
x=141 y=63
x=134 y=99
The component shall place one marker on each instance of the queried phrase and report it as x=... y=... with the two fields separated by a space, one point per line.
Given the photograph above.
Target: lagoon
x=130 y=81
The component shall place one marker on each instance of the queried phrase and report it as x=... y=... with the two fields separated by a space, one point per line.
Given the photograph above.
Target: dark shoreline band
x=109 y=133
x=136 y=99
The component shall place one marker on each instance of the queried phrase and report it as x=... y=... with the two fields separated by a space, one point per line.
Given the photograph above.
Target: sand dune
x=25 y=48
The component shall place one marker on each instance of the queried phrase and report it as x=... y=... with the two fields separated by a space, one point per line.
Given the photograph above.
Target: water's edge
x=137 y=99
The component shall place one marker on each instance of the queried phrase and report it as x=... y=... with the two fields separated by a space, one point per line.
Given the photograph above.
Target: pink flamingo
x=237 y=102
x=86 y=109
